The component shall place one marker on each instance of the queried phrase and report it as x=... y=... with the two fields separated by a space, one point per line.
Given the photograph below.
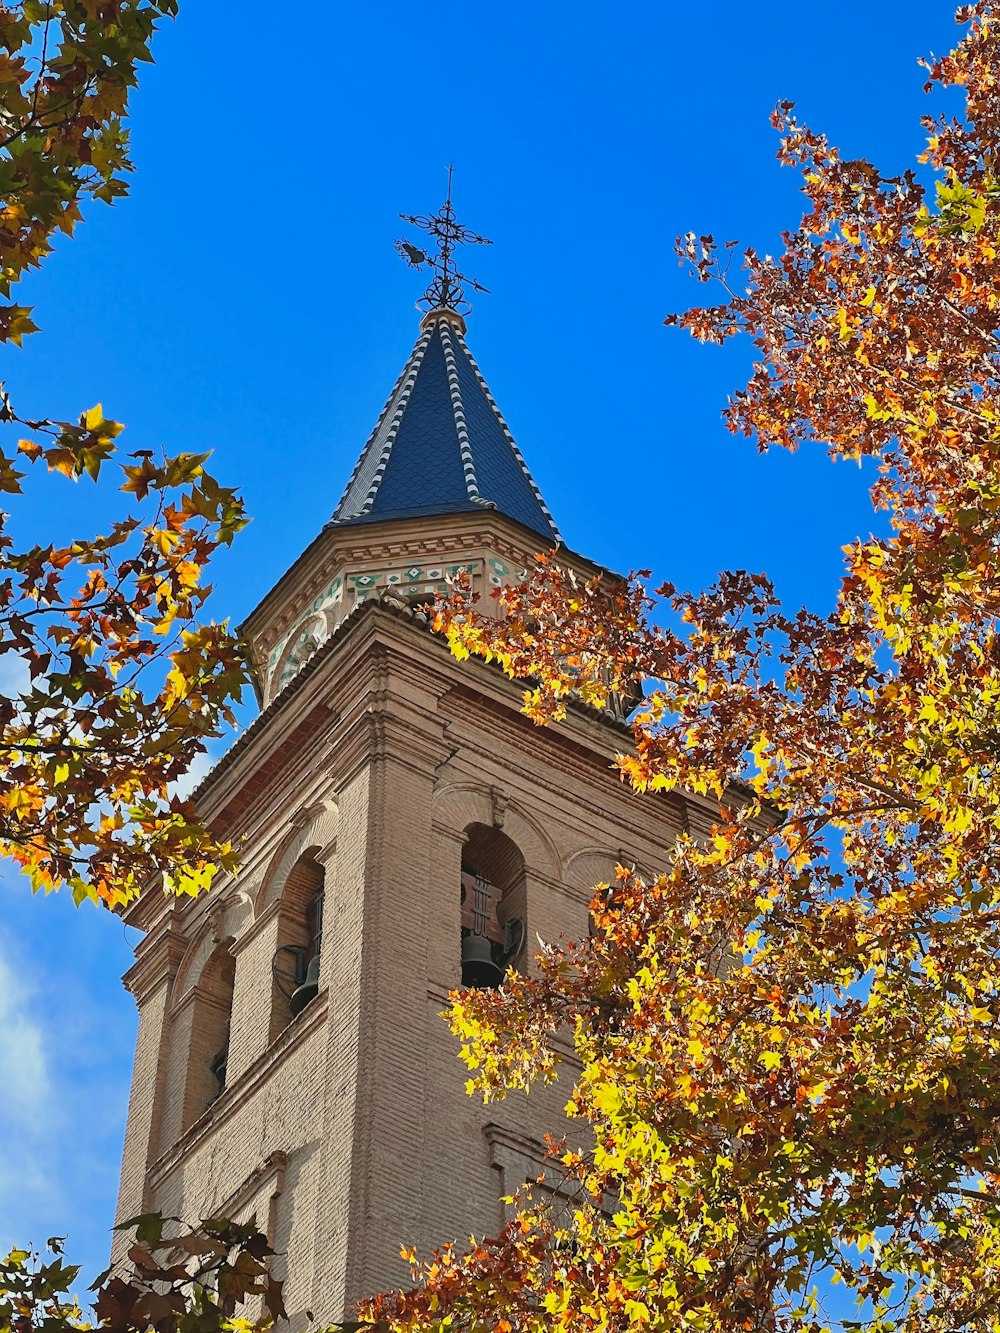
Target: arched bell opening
x=494 y=906
x=296 y=961
x=211 y=1017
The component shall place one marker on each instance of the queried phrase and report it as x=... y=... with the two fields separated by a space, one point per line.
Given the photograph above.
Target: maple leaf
x=100 y=726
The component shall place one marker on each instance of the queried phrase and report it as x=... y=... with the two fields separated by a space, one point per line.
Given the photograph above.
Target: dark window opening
x=296 y=961
x=212 y=1016
x=494 y=903
x=308 y=989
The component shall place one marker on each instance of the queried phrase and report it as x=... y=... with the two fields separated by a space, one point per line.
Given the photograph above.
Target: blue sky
x=247 y=299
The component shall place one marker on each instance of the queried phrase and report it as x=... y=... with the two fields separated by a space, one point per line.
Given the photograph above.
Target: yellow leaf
x=696 y=1050
x=607 y=1099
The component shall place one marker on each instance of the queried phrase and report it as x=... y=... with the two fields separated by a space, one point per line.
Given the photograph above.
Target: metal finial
x=446 y=290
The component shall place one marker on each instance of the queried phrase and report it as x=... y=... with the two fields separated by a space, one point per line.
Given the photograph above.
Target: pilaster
x=150 y=980
x=340 y=1213
x=405 y=893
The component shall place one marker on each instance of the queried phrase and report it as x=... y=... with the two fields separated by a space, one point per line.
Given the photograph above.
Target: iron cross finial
x=447 y=287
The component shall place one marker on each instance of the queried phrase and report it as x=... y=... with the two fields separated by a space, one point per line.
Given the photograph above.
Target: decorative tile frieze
x=324 y=613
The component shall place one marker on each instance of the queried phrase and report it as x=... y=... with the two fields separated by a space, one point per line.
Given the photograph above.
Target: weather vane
x=446 y=289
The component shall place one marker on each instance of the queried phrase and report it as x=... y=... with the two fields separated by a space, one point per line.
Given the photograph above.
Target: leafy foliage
x=789 y=1041
x=195 y=1281
x=89 y=749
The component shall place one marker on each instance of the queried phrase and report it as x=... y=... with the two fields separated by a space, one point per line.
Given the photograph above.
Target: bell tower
x=404 y=829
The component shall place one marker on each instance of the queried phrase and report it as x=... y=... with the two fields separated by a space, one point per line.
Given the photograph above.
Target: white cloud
x=201 y=766
x=15 y=677
x=26 y=1106
x=24 y=1074
x=66 y=1029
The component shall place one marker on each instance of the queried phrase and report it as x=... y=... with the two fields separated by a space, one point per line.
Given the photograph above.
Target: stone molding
x=159 y=958
x=522 y=1161
x=397 y=540
x=273 y=1168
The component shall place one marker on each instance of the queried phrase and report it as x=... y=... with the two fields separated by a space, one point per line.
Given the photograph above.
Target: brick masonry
x=347 y=1130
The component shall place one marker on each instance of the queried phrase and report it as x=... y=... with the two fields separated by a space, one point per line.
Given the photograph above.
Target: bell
x=309 y=988
x=478 y=968
x=217 y=1067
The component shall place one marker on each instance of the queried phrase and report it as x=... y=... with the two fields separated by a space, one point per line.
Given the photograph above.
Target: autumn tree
x=788 y=1043
x=126 y=680
x=211 y=1278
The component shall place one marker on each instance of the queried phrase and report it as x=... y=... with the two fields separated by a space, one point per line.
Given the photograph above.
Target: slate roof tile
x=440 y=445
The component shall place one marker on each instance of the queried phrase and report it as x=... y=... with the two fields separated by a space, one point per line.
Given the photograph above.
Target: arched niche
x=200 y=1026
x=315 y=832
x=306 y=638
x=298 y=939
x=494 y=893
x=459 y=805
x=591 y=866
x=226 y=920
x=585 y=870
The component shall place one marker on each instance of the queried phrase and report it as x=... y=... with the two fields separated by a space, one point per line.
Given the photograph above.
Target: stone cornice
x=337 y=666
x=157 y=959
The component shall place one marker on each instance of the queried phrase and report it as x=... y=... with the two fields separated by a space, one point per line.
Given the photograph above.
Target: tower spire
x=446 y=289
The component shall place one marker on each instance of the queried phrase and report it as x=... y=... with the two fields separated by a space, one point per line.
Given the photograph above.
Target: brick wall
x=349 y=1125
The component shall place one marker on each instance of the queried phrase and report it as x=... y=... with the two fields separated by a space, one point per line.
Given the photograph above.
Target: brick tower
x=400 y=821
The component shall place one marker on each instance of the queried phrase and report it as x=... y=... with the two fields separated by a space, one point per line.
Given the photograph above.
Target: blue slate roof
x=440 y=445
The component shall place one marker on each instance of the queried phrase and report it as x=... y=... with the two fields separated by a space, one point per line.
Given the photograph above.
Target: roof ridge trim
x=510 y=438
x=388 y=427
x=458 y=408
